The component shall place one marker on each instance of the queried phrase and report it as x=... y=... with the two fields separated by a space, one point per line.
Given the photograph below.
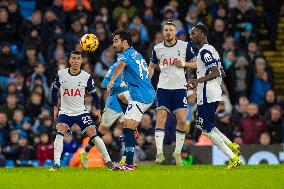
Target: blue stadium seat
x=26 y=7
x=48 y=163
x=35 y=163
x=10 y=163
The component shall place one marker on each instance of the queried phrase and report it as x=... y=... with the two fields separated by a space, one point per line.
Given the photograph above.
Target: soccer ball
x=89 y=42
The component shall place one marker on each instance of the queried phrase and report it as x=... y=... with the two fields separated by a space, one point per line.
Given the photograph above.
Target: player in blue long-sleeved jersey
x=142 y=94
x=113 y=107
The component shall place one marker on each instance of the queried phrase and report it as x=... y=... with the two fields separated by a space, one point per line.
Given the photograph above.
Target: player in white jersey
x=208 y=88
x=173 y=56
x=72 y=83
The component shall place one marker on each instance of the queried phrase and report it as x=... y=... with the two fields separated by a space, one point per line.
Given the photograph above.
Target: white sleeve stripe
x=93 y=91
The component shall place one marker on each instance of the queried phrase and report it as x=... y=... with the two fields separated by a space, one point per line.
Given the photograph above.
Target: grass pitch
x=146 y=177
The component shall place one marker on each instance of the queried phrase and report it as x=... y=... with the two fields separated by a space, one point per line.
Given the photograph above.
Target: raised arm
x=119 y=69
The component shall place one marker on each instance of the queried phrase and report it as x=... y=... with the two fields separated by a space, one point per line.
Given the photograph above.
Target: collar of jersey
x=127 y=49
x=73 y=74
x=170 y=45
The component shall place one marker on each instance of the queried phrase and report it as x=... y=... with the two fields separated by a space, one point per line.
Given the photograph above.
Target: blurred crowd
x=37 y=35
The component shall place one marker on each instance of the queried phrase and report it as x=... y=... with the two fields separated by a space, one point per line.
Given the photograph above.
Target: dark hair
x=203 y=28
x=124 y=35
x=169 y=23
x=76 y=53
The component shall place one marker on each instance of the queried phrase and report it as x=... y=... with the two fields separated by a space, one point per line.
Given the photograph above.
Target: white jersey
x=72 y=91
x=209 y=91
x=171 y=77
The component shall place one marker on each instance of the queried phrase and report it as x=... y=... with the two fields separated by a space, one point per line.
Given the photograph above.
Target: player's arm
x=54 y=98
x=153 y=63
x=151 y=69
x=118 y=70
x=211 y=64
x=96 y=100
x=117 y=83
x=190 y=59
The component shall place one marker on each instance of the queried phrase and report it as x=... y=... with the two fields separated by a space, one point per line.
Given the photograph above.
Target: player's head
x=199 y=34
x=169 y=31
x=121 y=41
x=76 y=59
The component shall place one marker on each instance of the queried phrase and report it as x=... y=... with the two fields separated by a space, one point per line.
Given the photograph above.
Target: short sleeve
x=154 y=58
x=189 y=53
x=122 y=58
x=208 y=59
x=91 y=85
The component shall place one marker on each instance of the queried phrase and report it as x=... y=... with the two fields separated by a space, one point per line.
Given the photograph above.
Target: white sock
x=219 y=142
x=102 y=148
x=226 y=140
x=179 y=141
x=159 y=137
x=58 y=148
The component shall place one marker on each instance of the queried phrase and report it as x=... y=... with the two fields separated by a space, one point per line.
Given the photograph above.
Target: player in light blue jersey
x=113 y=107
x=142 y=94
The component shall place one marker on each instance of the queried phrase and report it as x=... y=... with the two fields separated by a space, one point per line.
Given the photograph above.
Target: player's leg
x=163 y=107
x=179 y=104
x=86 y=124
x=108 y=118
x=160 y=134
x=133 y=116
x=64 y=124
x=96 y=140
x=180 y=134
x=233 y=146
x=206 y=118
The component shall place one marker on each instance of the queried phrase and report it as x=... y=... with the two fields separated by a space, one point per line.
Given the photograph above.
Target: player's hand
x=97 y=113
x=223 y=73
x=55 y=113
x=123 y=85
x=192 y=84
x=109 y=86
x=179 y=64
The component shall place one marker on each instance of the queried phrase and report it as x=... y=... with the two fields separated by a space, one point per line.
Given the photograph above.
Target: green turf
x=160 y=177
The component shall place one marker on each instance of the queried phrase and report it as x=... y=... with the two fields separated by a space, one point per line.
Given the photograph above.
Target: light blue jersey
x=136 y=76
x=112 y=101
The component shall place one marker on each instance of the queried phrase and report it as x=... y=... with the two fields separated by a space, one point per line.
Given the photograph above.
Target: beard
x=169 y=38
x=118 y=49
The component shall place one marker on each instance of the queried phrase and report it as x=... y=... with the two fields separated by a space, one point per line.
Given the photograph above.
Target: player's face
x=76 y=60
x=169 y=32
x=196 y=36
x=117 y=44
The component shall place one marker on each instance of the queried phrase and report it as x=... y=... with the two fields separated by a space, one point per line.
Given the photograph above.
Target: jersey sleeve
x=122 y=58
x=208 y=59
x=154 y=58
x=189 y=53
x=54 y=90
x=92 y=90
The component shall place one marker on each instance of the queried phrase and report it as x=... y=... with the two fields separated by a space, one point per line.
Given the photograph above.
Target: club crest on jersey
x=72 y=92
x=170 y=61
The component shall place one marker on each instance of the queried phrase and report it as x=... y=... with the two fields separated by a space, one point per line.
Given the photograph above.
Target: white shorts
x=135 y=110
x=110 y=116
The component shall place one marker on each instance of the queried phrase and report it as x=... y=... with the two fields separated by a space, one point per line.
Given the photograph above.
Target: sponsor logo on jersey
x=72 y=92
x=169 y=61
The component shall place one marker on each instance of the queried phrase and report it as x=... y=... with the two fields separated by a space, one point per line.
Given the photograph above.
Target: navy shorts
x=206 y=119
x=84 y=121
x=171 y=100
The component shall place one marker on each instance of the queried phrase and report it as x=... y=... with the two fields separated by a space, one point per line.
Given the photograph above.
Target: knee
x=103 y=129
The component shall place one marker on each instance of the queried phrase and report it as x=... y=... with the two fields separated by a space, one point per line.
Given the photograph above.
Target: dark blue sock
x=129 y=145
